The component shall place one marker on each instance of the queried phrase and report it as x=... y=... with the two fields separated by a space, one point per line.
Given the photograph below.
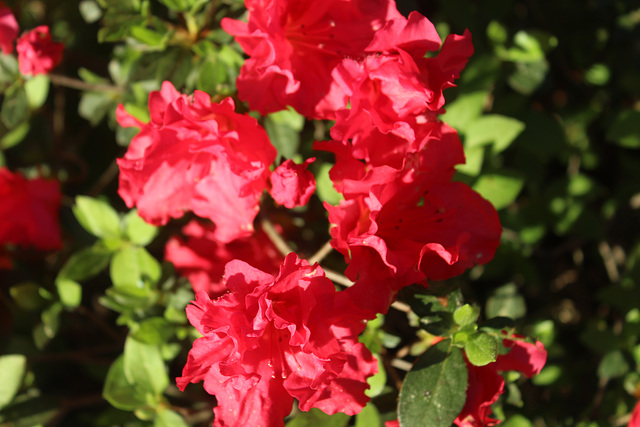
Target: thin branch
x=275 y=237
x=322 y=253
x=105 y=179
x=60 y=80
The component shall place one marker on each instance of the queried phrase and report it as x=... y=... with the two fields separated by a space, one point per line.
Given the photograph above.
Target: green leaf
x=97 y=217
x=378 y=381
x=37 y=90
x=90 y=11
x=464 y=110
x=324 y=186
x=119 y=391
x=137 y=230
x=517 y=421
x=85 y=264
x=168 y=418
x=70 y=292
x=506 y=302
x=12 y=369
x=501 y=189
x=494 y=129
x=613 y=365
x=465 y=315
x=528 y=76
x=94 y=106
x=284 y=129
x=27 y=296
x=15 y=107
x=133 y=269
x=597 y=75
x=144 y=367
x=625 y=129
x=434 y=391
x=154 y=330
x=481 y=349
x=316 y=418
x=369 y=417
x=15 y=135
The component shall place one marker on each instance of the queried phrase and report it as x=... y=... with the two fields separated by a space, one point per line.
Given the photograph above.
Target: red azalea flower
x=486 y=384
x=29 y=211
x=292 y=184
x=37 y=54
x=201 y=258
x=270 y=340
x=8 y=29
x=195 y=155
x=399 y=87
x=398 y=227
x=294 y=45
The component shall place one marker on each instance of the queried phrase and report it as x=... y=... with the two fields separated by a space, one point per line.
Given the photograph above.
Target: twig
x=275 y=237
x=60 y=80
x=107 y=176
x=322 y=253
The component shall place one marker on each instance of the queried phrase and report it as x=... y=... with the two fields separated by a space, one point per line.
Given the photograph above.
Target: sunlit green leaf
x=12 y=369
x=434 y=391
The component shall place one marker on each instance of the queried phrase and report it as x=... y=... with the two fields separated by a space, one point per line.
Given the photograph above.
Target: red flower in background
x=486 y=384
x=37 y=53
x=8 y=29
x=635 y=416
x=294 y=45
x=273 y=339
x=292 y=184
x=29 y=211
x=195 y=155
x=201 y=258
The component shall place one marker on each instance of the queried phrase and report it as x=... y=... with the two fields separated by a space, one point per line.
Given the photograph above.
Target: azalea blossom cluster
x=37 y=52
x=275 y=329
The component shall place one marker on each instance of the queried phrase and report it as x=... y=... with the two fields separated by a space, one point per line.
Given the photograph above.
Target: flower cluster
x=37 y=52
x=276 y=330
x=272 y=339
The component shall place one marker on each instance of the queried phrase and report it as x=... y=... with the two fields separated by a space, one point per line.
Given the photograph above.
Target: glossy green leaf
x=494 y=129
x=37 y=90
x=317 y=418
x=133 y=270
x=434 y=391
x=481 y=349
x=613 y=365
x=369 y=417
x=154 y=330
x=137 y=230
x=168 y=418
x=27 y=296
x=506 y=302
x=284 y=129
x=144 y=367
x=97 y=217
x=12 y=370
x=465 y=315
x=119 y=391
x=501 y=189
x=15 y=107
x=70 y=292
x=85 y=264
